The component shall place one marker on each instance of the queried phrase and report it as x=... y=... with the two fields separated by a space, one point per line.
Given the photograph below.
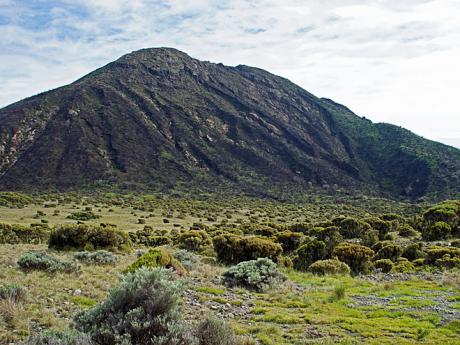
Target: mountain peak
x=160 y=119
x=155 y=53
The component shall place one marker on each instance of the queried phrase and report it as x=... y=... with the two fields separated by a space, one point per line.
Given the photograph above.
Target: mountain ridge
x=161 y=119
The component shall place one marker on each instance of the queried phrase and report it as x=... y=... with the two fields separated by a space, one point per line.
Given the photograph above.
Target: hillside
x=159 y=119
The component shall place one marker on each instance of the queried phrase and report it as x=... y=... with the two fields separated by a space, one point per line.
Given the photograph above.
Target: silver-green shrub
x=256 y=275
x=41 y=261
x=142 y=309
x=59 y=338
x=99 y=257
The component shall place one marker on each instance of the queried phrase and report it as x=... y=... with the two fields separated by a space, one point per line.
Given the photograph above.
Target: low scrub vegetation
x=142 y=309
x=232 y=249
x=42 y=261
x=256 y=275
x=329 y=267
x=15 y=234
x=99 y=257
x=85 y=237
x=336 y=255
x=156 y=258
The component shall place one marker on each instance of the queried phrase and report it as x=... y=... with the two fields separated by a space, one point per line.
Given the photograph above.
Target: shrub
x=194 y=240
x=155 y=258
x=289 y=240
x=446 y=212
x=382 y=226
x=12 y=199
x=309 y=253
x=213 y=331
x=84 y=237
x=14 y=234
x=370 y=238
x=436 y=231
x=43 y=262
x=329 y=266
x=354 y=255
x=100 y=257
x=256 y=275
x=351 y=227
x=83 y=215
x=455 y=244
x=304 y=228
x=406 y=230
x=285 y=262
x=233 y=249
x=385 y=265
x=186 y=258
x=448 y=262
x=13 y=292
x=59 y=338
x=413 y=252
x=435 y=253
x=403 y=266
x=330 y=236
x=389 y=251
x=150 y=237
x=142 y=309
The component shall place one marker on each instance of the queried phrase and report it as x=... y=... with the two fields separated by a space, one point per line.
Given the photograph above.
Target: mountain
x=159 y=119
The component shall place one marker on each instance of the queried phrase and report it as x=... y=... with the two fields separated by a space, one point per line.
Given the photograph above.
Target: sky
x=391 y=61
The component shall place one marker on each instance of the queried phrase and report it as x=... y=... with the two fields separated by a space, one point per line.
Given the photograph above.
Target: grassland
x=421 y=307
x=304 y=310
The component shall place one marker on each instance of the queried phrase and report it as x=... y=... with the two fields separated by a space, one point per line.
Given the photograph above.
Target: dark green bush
x=370 y=238
x=390 y=251
x=354 y=255
x=14 y=234
x=304 y=228
x=446 y=212
x=385 y=265
x=194 y=240
x=403 y=266
x=150 y=237
x=156 y=258
x=233 y=249
x=413 y=252
x=351 y=227
x=142 y=309
x=289 y=240
x=436 y=231
x=330 y=236
x=84 y=237
x=256 y=275
x=448 y=261
x=329 y=267
x=406 y=230
x=156 y=241
x=309 y=253
x=435 y=253
x=41 y=261
x=83 y=215
x=59 y=338
x=382 y=226
x=12 y=199
x=99 y=257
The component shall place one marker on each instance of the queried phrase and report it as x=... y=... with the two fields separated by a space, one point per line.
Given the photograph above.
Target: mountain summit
x=160 y=119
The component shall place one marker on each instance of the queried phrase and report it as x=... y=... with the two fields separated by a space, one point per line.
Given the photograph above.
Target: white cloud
x=392 y=61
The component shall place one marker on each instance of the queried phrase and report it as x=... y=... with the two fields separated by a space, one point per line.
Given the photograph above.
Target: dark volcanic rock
x=159 y=118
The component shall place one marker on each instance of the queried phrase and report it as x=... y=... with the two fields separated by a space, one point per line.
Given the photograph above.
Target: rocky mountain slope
x=160 y=119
